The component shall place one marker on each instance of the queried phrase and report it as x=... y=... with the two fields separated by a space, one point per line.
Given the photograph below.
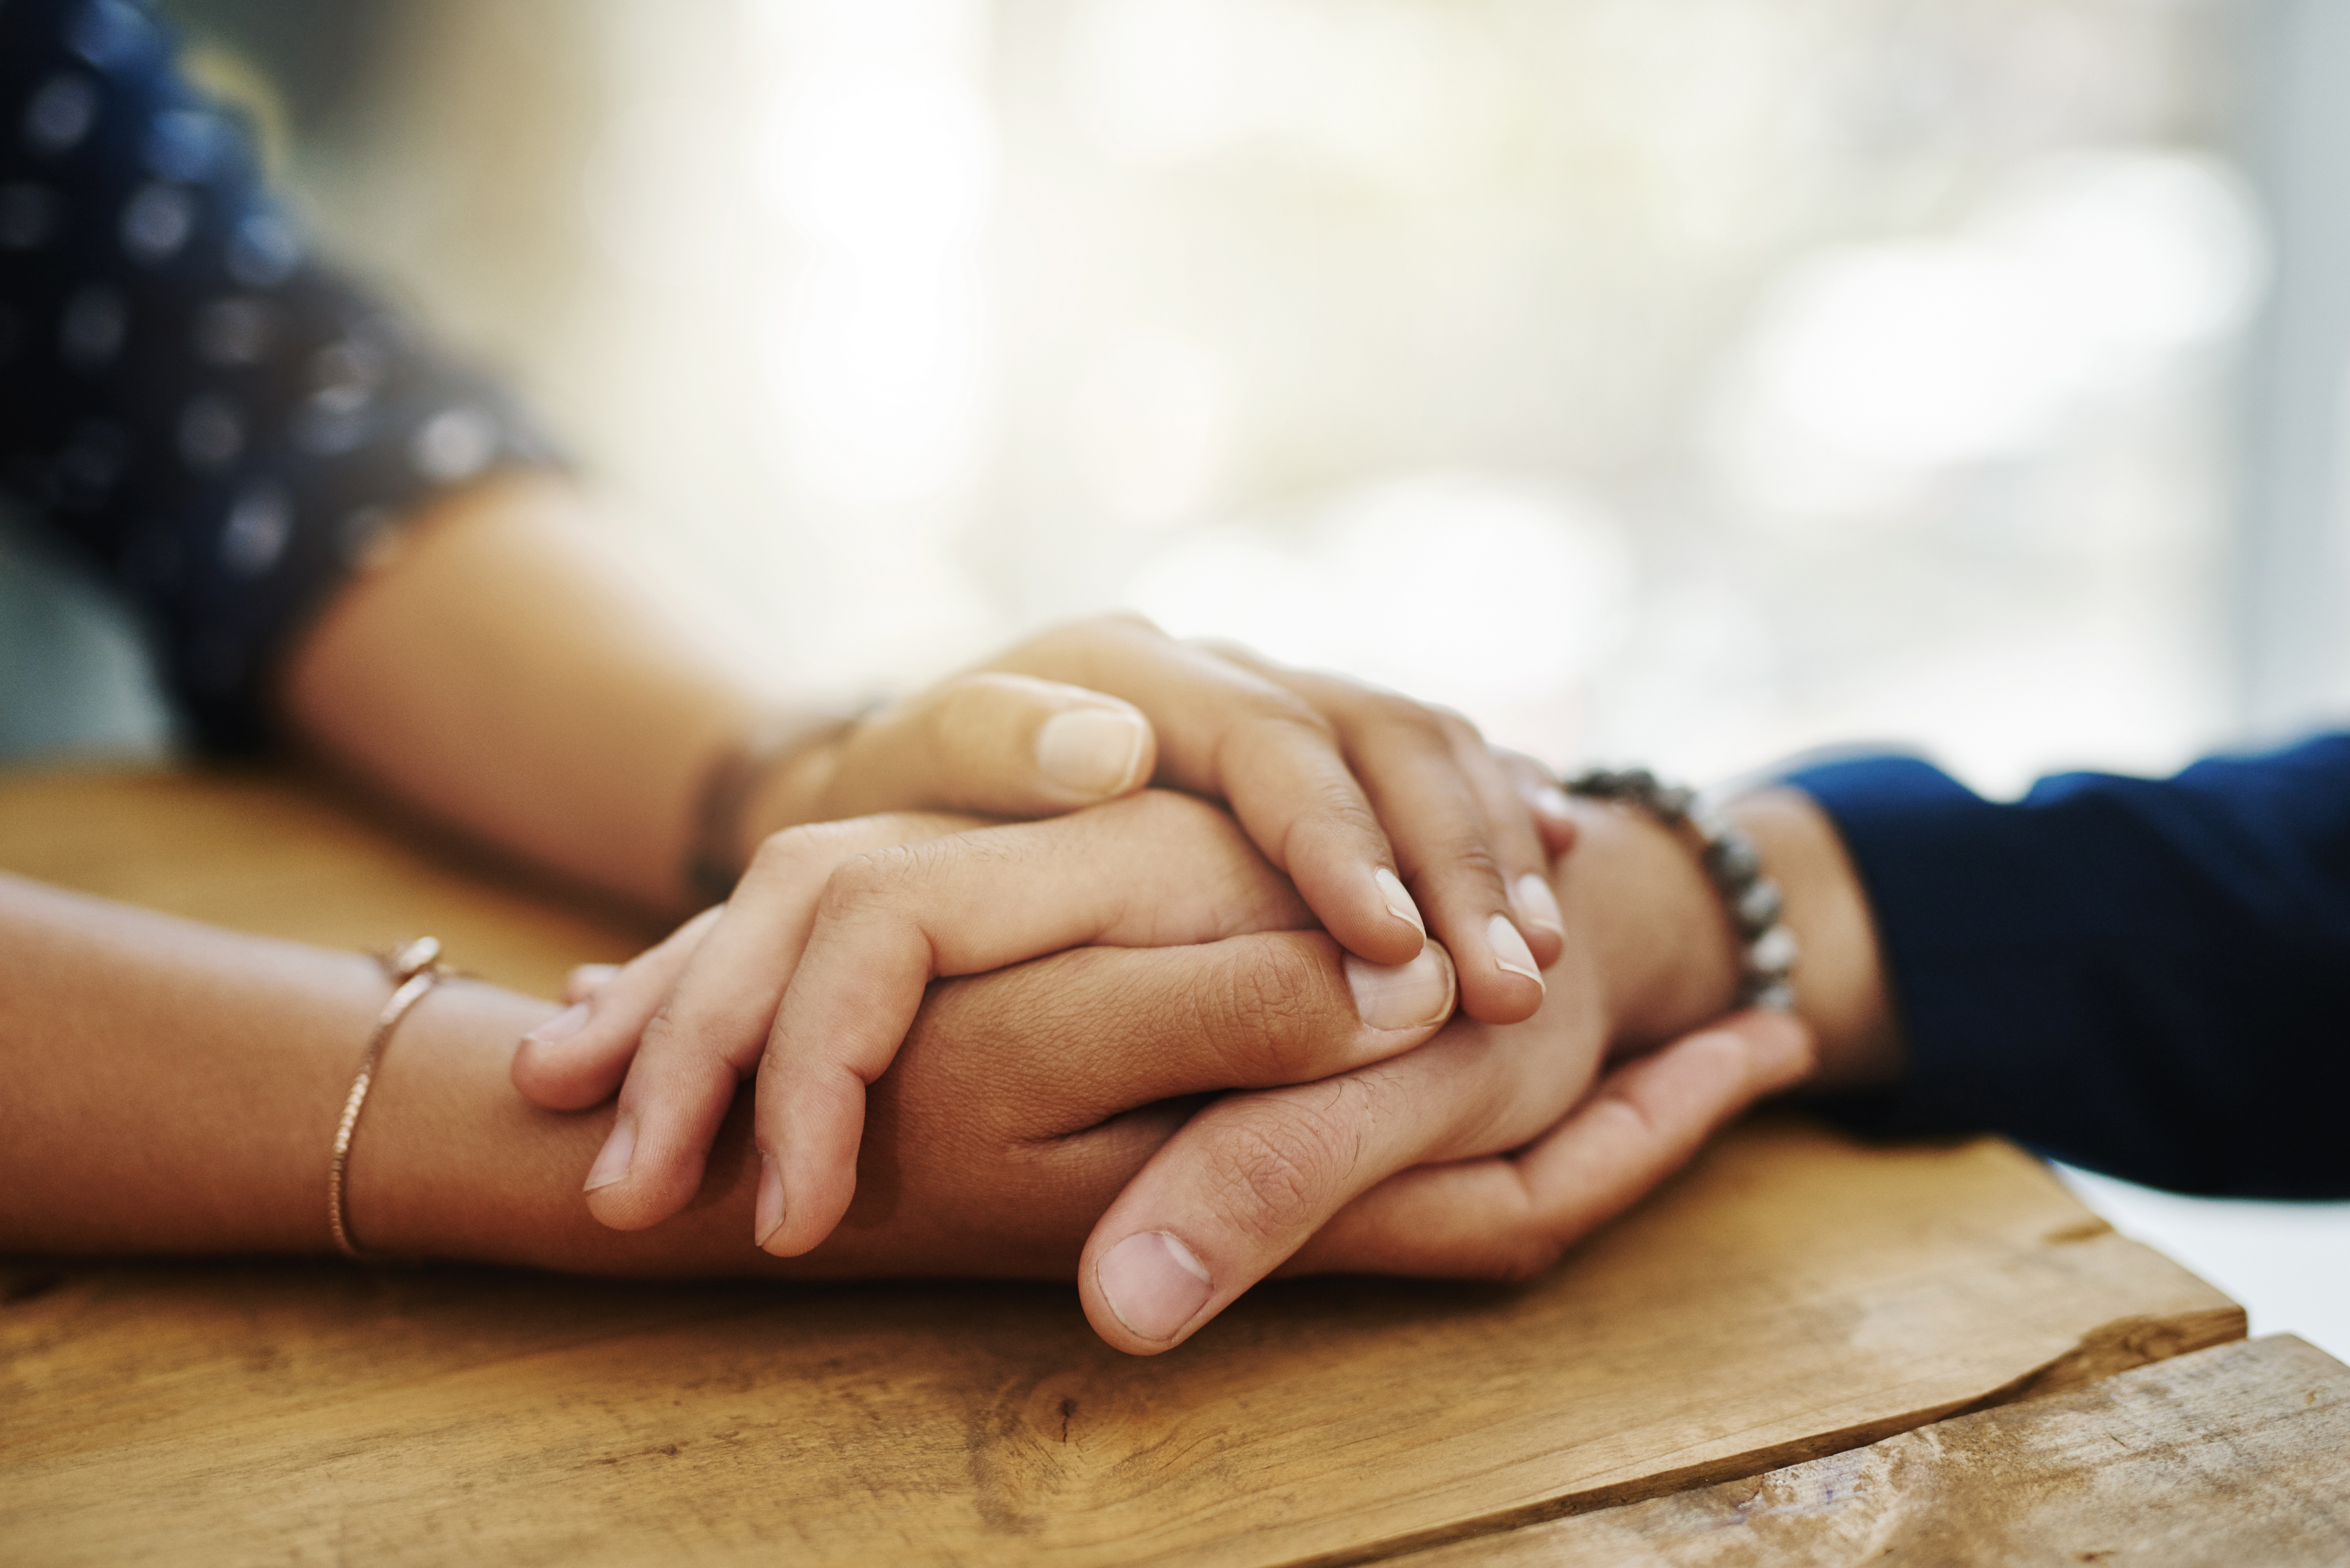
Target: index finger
x=1068 y=1041
x=1222 y=730
x=1158 y=870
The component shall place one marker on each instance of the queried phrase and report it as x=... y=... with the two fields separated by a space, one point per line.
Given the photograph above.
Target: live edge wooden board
x=1795 y=1295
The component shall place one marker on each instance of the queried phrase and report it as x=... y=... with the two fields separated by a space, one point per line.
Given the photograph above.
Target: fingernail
x=1510 y=951
x=1551 y=801
x=1398 y=901
x=1154 y=1283
x=560 y=1027
x=1538 y=904
x=1401 y=996
x=767 y=1218
x=618 y=1151
x=1092 y=750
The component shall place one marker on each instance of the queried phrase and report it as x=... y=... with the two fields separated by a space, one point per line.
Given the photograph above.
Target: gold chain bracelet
x=412 y=970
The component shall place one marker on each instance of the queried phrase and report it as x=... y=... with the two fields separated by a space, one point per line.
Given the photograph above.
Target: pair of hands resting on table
x=1265 y=1099
x=1046 y=1117
x=813 y=973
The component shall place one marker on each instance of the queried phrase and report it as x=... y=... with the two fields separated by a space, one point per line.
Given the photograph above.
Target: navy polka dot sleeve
x=224 y=428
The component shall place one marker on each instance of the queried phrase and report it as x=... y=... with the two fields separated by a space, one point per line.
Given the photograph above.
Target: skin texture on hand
x=173 y=1088
x=1024 y=1068
x=1020 y=1103
x=1649 y=956
x=811 y=975
x=511 y=671
x=1393 y=818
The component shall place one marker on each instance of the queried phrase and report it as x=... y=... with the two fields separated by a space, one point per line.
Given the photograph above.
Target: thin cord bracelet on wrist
x=412 y=970
x=1734 y=866
x=715 y=859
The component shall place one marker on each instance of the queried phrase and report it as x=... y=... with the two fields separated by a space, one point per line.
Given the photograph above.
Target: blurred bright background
x=1689 y=383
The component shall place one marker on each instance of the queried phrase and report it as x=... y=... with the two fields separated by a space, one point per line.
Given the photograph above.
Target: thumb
x=998 y=744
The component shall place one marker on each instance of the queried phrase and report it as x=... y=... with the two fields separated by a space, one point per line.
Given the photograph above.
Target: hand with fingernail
x=1171 y=1124
x=1394 y=819
x=810 y=974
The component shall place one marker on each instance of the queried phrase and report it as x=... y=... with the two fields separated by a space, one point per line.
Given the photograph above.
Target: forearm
x=172 y=1088
x=512 y=672
x=169 y=1088
x=2147 y=976
x=1668 y=960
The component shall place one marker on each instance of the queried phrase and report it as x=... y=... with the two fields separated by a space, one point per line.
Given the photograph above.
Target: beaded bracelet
x=1734 y=866
x=412 y=970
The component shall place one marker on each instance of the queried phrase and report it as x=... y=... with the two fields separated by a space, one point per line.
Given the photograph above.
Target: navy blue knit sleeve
x=213 y=421
x=2146 y=977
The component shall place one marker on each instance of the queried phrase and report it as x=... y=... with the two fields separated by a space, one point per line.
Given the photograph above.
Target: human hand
x=1024 y=1099
x=814 y=972
x=1378 y=807
x=1404 y=1149
x=1268 y=738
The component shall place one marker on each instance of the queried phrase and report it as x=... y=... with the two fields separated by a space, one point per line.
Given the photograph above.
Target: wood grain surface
x=2230 y=1457
x=306 y=861
x=1793 y=1294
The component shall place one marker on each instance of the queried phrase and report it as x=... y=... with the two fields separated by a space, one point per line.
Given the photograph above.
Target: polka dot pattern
x=214 y=420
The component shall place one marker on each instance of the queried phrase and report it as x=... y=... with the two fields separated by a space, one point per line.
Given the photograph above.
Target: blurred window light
x=1396 y=90
x=879 y=379
x=1494 y=598
x=1884 y=341
x=1161 y=81
x=880 y=157
x=1150 y=427
x=2080 y=276
x=656 y=193
x=877 y=148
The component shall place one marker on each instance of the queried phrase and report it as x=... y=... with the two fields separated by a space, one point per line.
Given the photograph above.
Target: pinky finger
x=1504 y=1218
x=578 y=1057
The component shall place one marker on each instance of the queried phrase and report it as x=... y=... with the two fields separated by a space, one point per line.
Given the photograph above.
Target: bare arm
x=171 y=1087
x=510 y=672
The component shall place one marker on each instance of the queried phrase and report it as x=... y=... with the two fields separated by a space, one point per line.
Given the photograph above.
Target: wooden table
x=1797 y=1323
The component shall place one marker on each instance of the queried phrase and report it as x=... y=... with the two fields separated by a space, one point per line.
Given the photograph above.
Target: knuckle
x=1260 y=1017
x=1416 y=721
x=1463 y=854
x=863 y=883
x=794 y=857
x=1458 y=729
x=1280 y=1164
x=1121 y=623
x=675 y=1056
x=1082 y=638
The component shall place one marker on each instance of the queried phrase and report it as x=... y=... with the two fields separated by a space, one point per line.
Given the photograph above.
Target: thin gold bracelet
x=412 y=970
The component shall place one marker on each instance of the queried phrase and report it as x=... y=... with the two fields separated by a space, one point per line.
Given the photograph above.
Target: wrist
x=453 y=1164
x=1666 y=957
x=774 y=774
x=1840 y=990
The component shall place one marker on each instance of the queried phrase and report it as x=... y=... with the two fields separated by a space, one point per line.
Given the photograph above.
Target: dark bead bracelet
x=1734 y=866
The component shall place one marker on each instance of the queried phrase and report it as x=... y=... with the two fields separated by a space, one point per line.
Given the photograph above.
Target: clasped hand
x=1197 y=1048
